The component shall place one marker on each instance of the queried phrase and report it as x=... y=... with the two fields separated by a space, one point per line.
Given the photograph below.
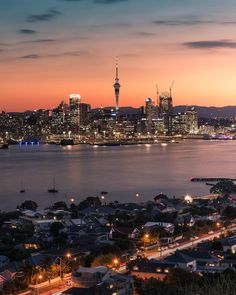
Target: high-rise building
x=85 y=111
x=192 y=121
x=74 y=113
x=166 y=111
x=150 y=111
x=117 y=87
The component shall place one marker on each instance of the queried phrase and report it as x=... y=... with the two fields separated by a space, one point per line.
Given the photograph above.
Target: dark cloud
x=27 y=31
x=40 y=41
x=191 y=22
x=62 y=54
x=109 y=1
x=100 y=1
x=47 y=16
x=210 y=44
x=145 y=34
x=30 y=56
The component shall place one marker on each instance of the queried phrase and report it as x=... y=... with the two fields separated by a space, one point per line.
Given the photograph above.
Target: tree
x=89 y=202
x=55 y=228
x=107 y=260
x=216 y=246
x=229 y=212
x=223 y=187
x=29 y=205
x=60 y=206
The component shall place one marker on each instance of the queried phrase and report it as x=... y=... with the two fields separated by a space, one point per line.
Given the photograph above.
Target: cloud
x=109 y=1
x=40 y=41
x=191 y=22
x=27 y=31
x=47 y=16
x=210 y=44
x=62 y=54
x=30 y=56
x=145 y=34
x=100 y=1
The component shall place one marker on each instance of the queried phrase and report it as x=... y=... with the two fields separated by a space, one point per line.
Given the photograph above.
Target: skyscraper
x=74 y=112
x=166 y=111
x=150 y=111
x=85 y=110
x=117 y=87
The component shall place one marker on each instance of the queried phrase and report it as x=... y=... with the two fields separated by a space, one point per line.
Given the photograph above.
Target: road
x=154 y=254
x=189 y=244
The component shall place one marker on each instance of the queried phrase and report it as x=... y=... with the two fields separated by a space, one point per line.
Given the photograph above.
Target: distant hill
x=210 y=112
x=204 y=112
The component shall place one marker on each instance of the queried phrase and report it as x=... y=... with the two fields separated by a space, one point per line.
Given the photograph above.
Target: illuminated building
x=74 y=112
x=151 y=113
x=166 y=111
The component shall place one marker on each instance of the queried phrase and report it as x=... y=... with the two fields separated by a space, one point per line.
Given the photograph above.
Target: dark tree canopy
x=223 y=187
x=29 y=205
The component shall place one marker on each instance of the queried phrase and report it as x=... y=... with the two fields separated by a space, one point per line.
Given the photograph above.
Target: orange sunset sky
x=51 y=48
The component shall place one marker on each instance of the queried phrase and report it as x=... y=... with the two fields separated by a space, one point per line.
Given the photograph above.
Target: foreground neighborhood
x=101 y=247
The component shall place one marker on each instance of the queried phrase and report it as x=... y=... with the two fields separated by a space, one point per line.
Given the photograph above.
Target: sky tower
x=117 y=86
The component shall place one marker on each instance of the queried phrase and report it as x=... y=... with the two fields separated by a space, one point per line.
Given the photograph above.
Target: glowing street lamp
x=115 y=262
x=188 y=199
x=68 y=255
x=146 y=237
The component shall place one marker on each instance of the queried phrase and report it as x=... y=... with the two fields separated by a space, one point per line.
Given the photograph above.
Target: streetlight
x=188 y=199
x=69 y=133
x=68 y=255
x=72 y=200
x=116 y=262
x=146 y=236
x=36 y=283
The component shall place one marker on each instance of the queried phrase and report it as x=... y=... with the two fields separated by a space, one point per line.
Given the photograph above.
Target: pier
x=209 y=179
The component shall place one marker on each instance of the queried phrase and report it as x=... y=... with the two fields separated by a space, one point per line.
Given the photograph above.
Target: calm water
x=82 y=171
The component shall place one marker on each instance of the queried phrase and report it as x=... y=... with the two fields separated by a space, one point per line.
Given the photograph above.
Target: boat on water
x=53 y=190
x=22 y=189
x=107 y=143
x=67 y=141
x=4 y=146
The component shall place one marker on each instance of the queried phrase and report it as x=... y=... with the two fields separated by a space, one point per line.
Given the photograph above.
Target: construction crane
x=157 y=94
x=171 y=87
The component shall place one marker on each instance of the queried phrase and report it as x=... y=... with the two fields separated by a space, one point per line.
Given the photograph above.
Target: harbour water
x=83 y=170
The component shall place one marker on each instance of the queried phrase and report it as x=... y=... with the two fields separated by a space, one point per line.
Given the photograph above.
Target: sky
x=51 y=48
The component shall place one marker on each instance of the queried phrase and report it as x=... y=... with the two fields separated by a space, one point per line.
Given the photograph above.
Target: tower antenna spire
x=117 y=68
x=117 y=86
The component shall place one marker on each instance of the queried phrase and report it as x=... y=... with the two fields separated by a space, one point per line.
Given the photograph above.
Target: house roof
x=231 y=241
x=152 y=265
x=79 y=291
x=124 y=230
x=179 y=257
x=99 y=210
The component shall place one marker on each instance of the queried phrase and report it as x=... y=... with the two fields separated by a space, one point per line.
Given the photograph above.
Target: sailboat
x=53 y=190
x=22 y=190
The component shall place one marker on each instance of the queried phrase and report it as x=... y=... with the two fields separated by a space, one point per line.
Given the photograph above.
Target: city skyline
x=51 y=49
